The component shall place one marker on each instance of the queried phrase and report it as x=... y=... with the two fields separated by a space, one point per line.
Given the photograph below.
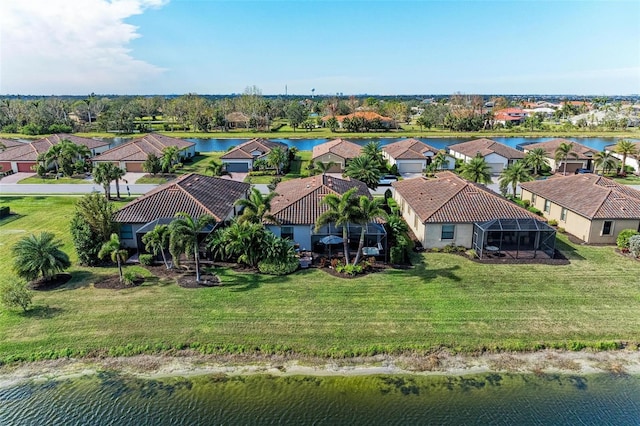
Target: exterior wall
x=188 y=152
x=99 y=150
x=463 y=235
x=325 y=158
x=301 y=234
x=452 y=163
x=406 y=165
x=596 y=237
x=459 y=155
x=131 y=242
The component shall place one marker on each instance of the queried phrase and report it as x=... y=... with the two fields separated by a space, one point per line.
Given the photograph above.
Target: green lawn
x=444 y=301
x=52 y=180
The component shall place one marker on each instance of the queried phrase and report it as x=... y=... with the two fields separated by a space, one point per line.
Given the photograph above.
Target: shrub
x=349 y=269
x=129 y=277
x=622 y=241
x=526 y=203
x=553 y=222
x=561 y=230
x=4 y=211
x=16 y=294
x=278 y=266
x=396 y=254
x=146 y=259
x=535 y=211
x=634 y=245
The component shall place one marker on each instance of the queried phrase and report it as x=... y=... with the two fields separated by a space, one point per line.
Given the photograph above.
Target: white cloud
x=70 y=47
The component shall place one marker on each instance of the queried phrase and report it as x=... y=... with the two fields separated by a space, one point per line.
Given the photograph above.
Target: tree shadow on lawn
x=247 y=282
x=42 y=312
x=426 y=274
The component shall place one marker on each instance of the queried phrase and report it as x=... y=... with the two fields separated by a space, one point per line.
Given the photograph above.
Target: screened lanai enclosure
x=515 y=238
x=375 y=240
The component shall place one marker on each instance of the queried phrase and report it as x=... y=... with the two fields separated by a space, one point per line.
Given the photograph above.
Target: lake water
x=514 y=399
x=207 y=145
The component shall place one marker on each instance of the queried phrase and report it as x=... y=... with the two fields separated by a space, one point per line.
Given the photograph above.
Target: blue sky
x=353 y=47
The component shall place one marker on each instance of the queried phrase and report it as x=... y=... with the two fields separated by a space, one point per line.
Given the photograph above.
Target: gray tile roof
x=451 y=199
x=340 y=147
x=485 y=147
x=584 y=152
x=243 y=151
x=192 y=193
x=299 y=201
x=409 y=149
x=589 y=195
x=30 y=151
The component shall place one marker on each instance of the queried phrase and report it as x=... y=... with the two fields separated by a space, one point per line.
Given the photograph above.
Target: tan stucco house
x=591 y=207
x=583 y=158
x=498 y=156
x=413 y=156
x=339 y=151
x=449 y=210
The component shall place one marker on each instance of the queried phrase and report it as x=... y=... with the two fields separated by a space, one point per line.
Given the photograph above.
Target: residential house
x=23 y=157
x=582 y=160
x=10 y=143
x=591 y=207
x=339 y=151
x=299 y=203
x=449 y=210
x=236 y=120
x=192 y=193
x=413 y=156
x=497 y=155
x=130 y=156
x=514 y=116
x=367 y=115
x=241 y=158
x=632 y=160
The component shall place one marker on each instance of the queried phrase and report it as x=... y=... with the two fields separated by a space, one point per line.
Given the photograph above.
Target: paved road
x=14 y=188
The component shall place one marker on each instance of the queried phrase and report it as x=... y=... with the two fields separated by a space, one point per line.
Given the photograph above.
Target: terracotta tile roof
x=237 y=117
x=510 y=111
x=299 y=200
x=192 y=193
x=551 y=146
x=139 y=149
x=409 y=149
x=589 y=195
x=451 y=199
x=367 y=115
x=486 y=147
x=30 y=151
x=613 y=146
x=340 y=147
x=501 y=116
x=243 y=151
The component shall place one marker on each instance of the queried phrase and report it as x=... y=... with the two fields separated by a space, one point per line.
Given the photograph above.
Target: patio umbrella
x=329 y=240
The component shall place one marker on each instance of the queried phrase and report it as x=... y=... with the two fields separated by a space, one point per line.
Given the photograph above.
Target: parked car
x=387 y=179
x=581 y=171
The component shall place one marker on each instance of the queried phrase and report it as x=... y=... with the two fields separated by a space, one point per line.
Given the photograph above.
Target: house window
x=448 y=231
x=563 y=214
x=415 y=221
x=534 y=197
x=607 y=227
x=126 y=232
x=547 y=206
x=287 y=232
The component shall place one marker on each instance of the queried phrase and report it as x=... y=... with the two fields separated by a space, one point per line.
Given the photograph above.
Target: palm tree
x=563 y=152
x=217 y=169
x=605 y=160
x=256 y=207
x=116 y=174
x=157 y=240
x=324 y=167
x=117 y=254
x=477 y=170
x=514 y=174
x=341 y=210
x=184 y=231
x=35 y=256
x=364 y=169
x=240 y=240
x=373 y=151
x=170 y=156
x=625 y=148
x=103 y=175
x=439 y=160
x=536 y=159
x=368 y=210
x=53 y=156
x=276 y=158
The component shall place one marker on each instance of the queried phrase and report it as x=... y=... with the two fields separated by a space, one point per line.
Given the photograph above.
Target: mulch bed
x=185 y=279
x=113 y=283
x=374 y=269
x=47 y=285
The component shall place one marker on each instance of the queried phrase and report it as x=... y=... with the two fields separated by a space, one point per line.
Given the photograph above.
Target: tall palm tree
x=184 y=231
x=116 y=174
x=157 y=240
x=342 y=210
x=39 y=255
x=439 y=160
x=605 y=160
x=625 y=148
x=536 y=159
x=256 y=207
x=373 y=151
x=170 y=156
x=276 y=158
x=563 y=152
x=216 y=169
x=365 y=169
x=117 y=254
x=53 y=156
x=324 y=167
x=368 y=210
x=103 y=175
x=514 y=174
x=477 y=170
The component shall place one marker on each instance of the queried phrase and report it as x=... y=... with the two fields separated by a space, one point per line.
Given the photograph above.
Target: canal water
x=208 y=145
x=513 y=399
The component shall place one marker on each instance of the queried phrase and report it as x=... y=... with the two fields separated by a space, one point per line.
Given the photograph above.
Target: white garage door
x=410 y=167
x=496 y=168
